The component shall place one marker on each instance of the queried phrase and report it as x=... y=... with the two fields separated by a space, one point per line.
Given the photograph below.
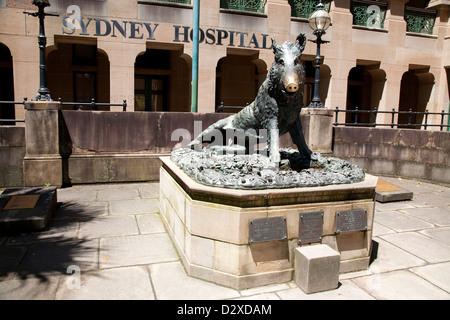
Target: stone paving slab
x=431 y=250
x=172 y=283
x=400 y=285
x=437 y=274
x=128 y=283
x=109 y=226
x=440 y=234
x=136 y=250
x=389 y=257
x=400 y=222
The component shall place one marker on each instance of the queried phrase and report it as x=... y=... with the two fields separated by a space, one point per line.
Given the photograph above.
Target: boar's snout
x=291 y=84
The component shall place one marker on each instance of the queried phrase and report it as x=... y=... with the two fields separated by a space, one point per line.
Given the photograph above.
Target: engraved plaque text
x=267 y=229
x=351 y=220
x=310 y=227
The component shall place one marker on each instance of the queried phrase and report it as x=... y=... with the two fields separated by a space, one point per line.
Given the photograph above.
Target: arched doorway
x=365 y=87
x=162 y=80
x=238 y=78
x=415 y=91
x=78 y=72
x=6 y=85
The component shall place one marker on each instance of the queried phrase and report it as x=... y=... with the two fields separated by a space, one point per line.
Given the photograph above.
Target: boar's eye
x=296 y=61
x=281 y=62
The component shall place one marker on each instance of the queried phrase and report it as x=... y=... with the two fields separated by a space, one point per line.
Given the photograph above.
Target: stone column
x=42 y=164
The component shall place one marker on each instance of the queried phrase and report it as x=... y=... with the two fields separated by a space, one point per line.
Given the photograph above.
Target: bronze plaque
x=351 y=220
x=310 y=227
x=22 y=202
x=267 y=229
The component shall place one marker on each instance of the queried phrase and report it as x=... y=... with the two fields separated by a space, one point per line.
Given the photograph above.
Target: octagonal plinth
x=210 y=227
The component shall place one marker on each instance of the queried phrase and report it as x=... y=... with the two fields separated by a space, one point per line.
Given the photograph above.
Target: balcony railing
x=419 y=20
x=257 y=6
x=369 y=14
x=304 y=8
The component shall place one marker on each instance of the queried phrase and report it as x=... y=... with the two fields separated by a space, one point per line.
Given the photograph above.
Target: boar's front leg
x=274 y=141
x=298 y=138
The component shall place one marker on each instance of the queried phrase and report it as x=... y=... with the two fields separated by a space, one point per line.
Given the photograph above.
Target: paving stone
x=108 y=226
x=29 y=288
x=390 y=257
x=172 y=283
x=264 y=289
x=441 y=234
x=136 y=250
x=261 y=296
x=56 y=230
x=129 y=283
x=134 y=206
x=400 y=285
x=150 y=223
x=379 y=229
x=435 y=216
x=437 y=274
x=76 y=194
x=80 y=212
x=429 y=249
x=149 y=190
x=392 y=206
x=10 y=258
x=400 y=222
x=346 y=291
x=56 y=257
x=118 y=193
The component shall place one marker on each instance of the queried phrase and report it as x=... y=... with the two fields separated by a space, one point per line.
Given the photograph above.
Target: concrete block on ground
x=316 y=268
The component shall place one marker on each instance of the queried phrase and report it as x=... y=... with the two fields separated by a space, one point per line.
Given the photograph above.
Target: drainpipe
x=196 y=22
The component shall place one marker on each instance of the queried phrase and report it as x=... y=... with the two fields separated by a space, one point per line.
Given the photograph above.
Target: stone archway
x=415 y=91
x=238 y=78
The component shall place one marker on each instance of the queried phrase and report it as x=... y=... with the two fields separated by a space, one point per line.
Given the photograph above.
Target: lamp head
x=41 y=3
x=320 y=20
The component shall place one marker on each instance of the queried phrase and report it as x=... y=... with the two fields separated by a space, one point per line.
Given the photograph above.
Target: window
x=419 y=20
x=369 y=14
x=257 y=6
x=304 y=8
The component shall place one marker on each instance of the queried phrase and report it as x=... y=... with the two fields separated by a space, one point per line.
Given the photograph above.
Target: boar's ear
x=301 y=42
x=274 y=46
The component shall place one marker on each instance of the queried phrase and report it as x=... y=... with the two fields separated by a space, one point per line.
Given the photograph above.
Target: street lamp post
x=319 y=21
x=43 y=92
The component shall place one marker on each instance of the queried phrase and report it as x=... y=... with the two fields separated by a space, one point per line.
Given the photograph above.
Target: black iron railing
x=221 y=108
x=93 y=105
x=4 y=121
x=406 y=116
x=76 y=106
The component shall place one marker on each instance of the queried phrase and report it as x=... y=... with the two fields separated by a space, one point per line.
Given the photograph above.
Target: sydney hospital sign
x=85 y=26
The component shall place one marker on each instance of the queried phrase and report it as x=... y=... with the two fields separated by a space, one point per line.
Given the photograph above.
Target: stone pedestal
x=317 y=126
x=210 y=227
x=316 y=268
x=42 y=164
x=26 y=209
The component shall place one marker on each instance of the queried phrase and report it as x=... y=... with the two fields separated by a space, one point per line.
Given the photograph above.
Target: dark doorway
x=6 y=85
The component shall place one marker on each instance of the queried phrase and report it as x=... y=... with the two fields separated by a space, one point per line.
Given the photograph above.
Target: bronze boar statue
x=277 y=106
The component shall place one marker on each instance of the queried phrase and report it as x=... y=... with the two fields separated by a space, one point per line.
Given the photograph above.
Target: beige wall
x=394 y=50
